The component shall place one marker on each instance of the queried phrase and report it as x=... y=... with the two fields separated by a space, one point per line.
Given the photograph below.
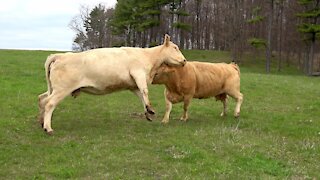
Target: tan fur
x=199 y=80
x=103 y=71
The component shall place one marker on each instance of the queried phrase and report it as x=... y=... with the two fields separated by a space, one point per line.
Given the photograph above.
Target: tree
x=177 y=9
x=269 y=38
x=236 y=28
x=198 y=34
x=92 y=28
x=96 y=27
x=125 y=19
x=310 y=28
x=152 y=15
x=137 y=20
x=280 y=30
x=256 y=19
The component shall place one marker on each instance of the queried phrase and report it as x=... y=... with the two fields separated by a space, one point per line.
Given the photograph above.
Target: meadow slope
x=97 y=137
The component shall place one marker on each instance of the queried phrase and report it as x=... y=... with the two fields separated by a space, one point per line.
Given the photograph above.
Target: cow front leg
x=139 y=94
x=41 y=104
x=186 y=103
x=166 y=117
x=143 y=94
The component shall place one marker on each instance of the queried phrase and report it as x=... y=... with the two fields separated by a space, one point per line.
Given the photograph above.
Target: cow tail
x=51 y=59
x=236 y=67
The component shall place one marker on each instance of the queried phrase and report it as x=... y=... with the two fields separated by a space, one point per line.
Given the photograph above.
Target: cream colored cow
x=103 y=71
x=199 y=80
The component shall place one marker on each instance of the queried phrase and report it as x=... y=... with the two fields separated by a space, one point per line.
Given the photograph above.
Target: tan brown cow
x=199 y=80
x=103 y=71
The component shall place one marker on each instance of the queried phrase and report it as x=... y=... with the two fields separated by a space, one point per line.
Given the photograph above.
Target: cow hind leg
x=166 y=117
x=52 y=101
x=223 y=98
x=41 y=103
x=186 y=103
x=239 y=98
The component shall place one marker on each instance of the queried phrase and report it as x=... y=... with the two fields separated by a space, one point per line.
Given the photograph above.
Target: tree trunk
x=235 y=30
x=280 y=37
x=172 y=21
x=207 y=31
x=269 y=49
x=198 y=4
x=310 y=63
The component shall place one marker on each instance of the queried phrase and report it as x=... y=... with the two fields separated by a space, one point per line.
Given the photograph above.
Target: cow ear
x=166 y=40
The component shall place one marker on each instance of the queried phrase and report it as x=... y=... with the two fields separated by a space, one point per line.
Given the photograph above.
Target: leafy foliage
x=183 y=26
x=310 y=27
x=257 y=42
x=95 y=30
x=313 y=13
x=132 y=16
x=256 y=19
x=305 y=2
x=256 y=16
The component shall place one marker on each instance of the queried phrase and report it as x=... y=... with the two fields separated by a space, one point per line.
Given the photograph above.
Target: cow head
x=162 y=75
x=171 y=54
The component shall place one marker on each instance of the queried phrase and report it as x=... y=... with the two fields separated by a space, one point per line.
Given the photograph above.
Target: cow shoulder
x=186 y=79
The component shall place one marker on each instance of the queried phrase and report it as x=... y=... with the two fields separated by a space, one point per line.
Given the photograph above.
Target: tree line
x=287 y=29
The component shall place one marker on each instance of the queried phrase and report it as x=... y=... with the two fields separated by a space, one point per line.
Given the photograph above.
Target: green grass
x=98 y=137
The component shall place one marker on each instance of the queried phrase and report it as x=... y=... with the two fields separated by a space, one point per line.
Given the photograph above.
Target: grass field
x=98 y=137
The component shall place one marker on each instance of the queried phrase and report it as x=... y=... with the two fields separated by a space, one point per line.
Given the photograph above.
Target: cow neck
x=155 y=60
x=173 y=84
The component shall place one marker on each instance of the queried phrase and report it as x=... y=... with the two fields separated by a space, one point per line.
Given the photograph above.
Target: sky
x=41 y=24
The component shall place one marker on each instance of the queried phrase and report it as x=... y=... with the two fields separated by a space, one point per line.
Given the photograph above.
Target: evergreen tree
x=310 y=28
x=256 y=19
x=177 y=8
x=125 y=19
x=139 y=20
x=96 y=26
x=93 y=31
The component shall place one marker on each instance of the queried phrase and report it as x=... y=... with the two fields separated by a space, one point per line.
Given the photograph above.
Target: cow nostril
x=184 y=61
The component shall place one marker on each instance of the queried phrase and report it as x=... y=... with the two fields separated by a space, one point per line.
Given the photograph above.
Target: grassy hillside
x=99 y=137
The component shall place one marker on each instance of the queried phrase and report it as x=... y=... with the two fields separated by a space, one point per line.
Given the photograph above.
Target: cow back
x=211 y=78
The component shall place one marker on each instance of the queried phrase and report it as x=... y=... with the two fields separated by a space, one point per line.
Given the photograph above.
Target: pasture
x=96 y=137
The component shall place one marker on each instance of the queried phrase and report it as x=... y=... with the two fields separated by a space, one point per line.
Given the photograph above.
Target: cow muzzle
x=184 y=62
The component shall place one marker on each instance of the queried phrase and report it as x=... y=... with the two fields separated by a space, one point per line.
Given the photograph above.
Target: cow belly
x=208 y=88
x=108 y=88
x=207 y=94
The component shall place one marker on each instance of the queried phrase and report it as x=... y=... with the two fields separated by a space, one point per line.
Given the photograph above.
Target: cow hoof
x=164 y=122
x=237 y=115
x=49 y=132
x=150 y=110
x=148 y=116
x=184 y=119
